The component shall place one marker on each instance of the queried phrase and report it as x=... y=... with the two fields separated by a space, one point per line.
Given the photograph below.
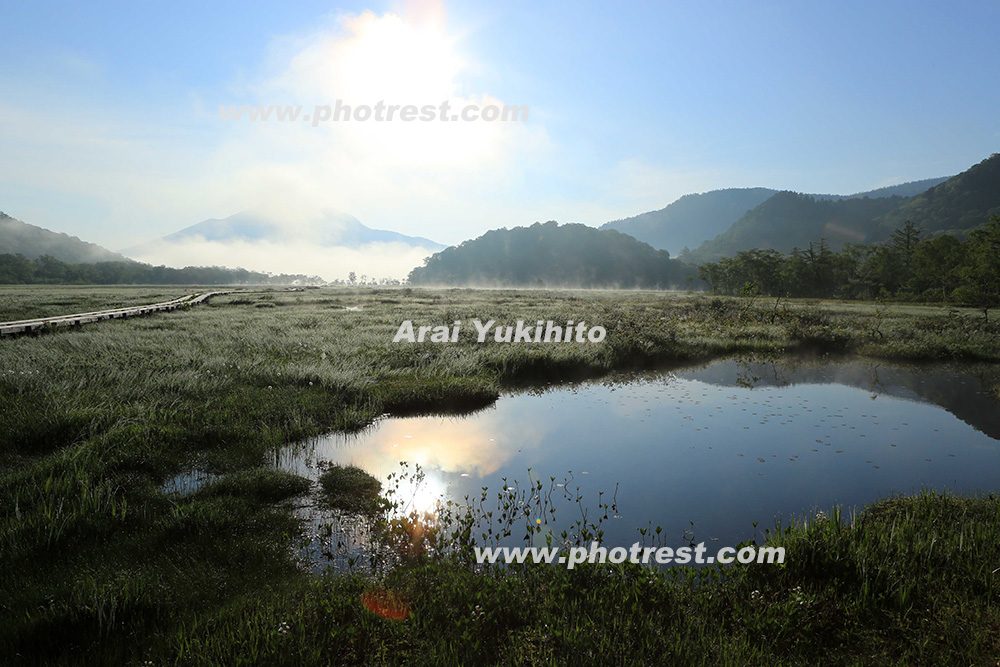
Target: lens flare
x=387 y=604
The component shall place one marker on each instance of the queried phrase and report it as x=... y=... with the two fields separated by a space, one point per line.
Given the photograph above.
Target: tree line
x=17 y=269
x=909 y=266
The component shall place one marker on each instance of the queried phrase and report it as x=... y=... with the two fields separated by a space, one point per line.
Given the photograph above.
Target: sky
x=110 y=124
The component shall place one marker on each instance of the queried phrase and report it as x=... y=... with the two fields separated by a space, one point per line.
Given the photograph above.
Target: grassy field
x=22 y=302
x=101 y=567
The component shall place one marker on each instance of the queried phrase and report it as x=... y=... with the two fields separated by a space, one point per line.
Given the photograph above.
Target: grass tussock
x=350 y=489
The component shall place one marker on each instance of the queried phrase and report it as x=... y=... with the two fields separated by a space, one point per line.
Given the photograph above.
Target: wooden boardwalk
x=46 y=323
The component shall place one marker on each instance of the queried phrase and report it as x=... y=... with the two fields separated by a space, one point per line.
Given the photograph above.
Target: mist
x=374 y=260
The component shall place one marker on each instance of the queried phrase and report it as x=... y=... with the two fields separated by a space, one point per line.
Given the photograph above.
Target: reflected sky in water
x=721 y=446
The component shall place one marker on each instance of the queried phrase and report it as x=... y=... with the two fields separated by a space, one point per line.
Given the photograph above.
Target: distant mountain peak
x=328 y=243
x=692 y=219
x=326 y=229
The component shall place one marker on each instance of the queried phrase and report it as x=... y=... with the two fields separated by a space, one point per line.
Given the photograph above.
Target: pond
x=703 y=453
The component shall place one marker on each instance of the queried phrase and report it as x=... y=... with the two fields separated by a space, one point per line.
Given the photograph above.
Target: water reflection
x=707 y=450
x=187 y=482
x=958 y=389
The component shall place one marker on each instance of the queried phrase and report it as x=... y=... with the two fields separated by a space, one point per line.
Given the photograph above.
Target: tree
x=904 y=240
x=712 y=274
x=935 y=267
x=903 y=243
x=982 y=270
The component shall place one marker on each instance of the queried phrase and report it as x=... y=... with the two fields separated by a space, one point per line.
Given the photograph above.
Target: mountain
x=327 y=230
x=328 y=243
x=692 y=219
x=790 y=220
x=961 y=203
x=902 y=190
x=20 y=238
x=552 y=255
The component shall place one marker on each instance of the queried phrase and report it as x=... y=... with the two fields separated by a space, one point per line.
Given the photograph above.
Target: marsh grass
x=21 y=302
x=100 y=566
x=908 y=582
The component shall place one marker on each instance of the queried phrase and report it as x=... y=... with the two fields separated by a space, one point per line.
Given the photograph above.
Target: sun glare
x=423 y=496
x=402 y=61
x=392 y=60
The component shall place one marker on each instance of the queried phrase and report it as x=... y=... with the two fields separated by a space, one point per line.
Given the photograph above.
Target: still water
x=701 y=452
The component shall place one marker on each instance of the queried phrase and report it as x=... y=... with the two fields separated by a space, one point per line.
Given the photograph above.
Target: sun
x=390 y=59
x=403 y=60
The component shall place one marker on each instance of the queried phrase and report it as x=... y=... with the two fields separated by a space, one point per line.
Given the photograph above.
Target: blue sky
x=109 y=124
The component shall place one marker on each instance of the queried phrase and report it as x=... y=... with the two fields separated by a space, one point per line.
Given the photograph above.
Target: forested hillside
x=553 y=255
x=790 y=220
x=959 y=204
x=20 y=238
